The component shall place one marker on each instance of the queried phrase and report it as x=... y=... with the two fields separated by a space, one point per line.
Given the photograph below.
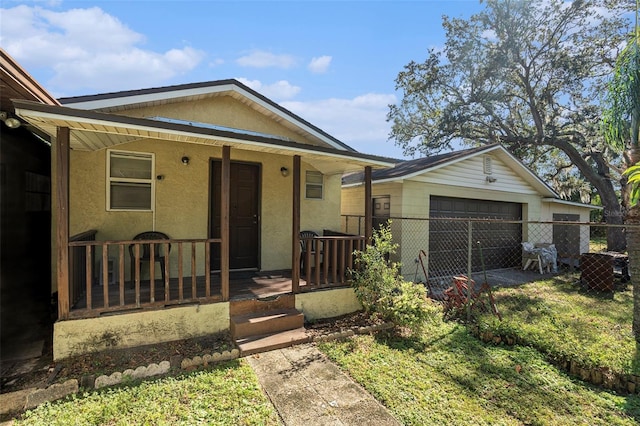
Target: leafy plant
x=633 y=179
x=383 y=292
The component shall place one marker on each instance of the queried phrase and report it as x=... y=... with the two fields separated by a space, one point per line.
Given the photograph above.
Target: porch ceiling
x=92 y=131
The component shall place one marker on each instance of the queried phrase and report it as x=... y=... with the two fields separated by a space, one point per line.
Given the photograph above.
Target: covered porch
x=94 y=291
x=91 y=274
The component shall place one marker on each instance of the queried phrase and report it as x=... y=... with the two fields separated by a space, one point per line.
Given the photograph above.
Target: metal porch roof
x=92 y=131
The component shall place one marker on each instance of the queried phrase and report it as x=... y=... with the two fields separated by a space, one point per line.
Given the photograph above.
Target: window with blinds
x=314 y=185
x=130 y=183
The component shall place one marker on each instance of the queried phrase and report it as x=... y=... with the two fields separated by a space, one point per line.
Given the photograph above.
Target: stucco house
x=227 y=176
x=485 y=182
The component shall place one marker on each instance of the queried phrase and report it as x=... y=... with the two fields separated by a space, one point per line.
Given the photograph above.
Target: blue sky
x=331 y=62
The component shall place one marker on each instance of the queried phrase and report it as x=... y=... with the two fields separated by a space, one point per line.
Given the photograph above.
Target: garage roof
x=411 y=168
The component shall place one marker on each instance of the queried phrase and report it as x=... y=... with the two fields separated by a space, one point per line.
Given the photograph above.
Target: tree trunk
x=633 y=248
x=600 y=178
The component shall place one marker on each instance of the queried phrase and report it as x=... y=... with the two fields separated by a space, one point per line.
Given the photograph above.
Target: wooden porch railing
x=134 y=293
x=328 y=264
x=78 y=262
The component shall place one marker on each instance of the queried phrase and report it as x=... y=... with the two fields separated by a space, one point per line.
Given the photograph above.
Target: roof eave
x=572 y=203
x=145 y=96
x=85 y=120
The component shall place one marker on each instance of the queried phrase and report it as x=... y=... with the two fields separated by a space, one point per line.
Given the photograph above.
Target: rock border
x=14 y=403
x=599 y=376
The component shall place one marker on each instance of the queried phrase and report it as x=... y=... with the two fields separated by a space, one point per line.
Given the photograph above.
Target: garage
x=449 y=239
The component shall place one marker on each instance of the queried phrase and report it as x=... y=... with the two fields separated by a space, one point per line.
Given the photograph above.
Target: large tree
x=621 y=119
x=526 y=74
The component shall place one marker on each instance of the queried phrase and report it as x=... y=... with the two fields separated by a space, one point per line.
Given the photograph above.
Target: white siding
x=469 y=174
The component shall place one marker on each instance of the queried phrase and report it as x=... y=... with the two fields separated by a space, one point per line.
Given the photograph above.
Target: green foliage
x=227 y=394
x=560 y=320
x=633 y=179
x=446 y=376
x=383 y=292
x=621 y=116
x=528 y=75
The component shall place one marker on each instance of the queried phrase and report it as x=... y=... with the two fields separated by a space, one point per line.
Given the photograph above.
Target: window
x=130 y=182
x=314 y=185
x=37 y=192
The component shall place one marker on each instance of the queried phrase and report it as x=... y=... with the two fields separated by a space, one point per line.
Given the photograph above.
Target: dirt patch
x=340 y=324
x=110 y=361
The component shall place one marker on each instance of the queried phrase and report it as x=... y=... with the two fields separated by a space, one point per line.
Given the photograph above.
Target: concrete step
x=269 y=342
x=267 y=322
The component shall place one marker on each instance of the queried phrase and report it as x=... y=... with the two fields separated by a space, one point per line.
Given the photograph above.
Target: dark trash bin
x=597 y=271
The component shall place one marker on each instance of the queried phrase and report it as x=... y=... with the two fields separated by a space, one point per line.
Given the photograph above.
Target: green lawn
x=444 y=376
x=447 y=376
x=228 y=394
x=559 y=318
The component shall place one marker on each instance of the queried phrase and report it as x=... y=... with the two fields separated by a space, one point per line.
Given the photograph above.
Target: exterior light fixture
x=284 y=171
x=185 y=160
x=491 y=179
x=10 y=122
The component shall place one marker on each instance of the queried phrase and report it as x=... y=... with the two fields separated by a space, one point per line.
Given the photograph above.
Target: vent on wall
x=487 y=166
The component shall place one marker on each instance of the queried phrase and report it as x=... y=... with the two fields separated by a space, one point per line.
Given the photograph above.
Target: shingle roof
x=202 y=85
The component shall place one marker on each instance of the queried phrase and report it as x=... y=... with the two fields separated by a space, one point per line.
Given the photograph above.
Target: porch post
x=224 y=221
x=295 y=225
x=62 y=220
x=368 y=207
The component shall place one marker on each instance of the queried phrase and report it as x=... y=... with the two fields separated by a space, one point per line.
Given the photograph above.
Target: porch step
x=240 y=307
x=269 y=342
x=266 y=322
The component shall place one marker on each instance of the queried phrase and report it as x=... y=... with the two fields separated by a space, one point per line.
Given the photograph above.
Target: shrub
x=383 y=292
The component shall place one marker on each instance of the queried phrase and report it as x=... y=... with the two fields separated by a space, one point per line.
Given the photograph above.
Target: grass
x=447 y=376
x=597 y=244
x=443 y=376
x=228 y=394
x=560 y=319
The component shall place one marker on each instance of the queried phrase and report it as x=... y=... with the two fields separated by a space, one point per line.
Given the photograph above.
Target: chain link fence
x=554 y=286
x=433 y=251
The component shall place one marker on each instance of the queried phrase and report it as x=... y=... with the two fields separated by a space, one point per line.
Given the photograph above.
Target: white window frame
x=151 y=180
x=307 y=184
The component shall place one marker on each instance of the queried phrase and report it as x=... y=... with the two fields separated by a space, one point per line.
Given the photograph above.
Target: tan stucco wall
x=182 y=200
x=136 y=329
x=327 y=303
x=222 y=111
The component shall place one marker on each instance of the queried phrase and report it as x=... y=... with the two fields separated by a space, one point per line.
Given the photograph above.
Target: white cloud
x=88 y=49
x=262 y=59
x=279 y=90
x=216 y=62
x=359 y=122
x=319 y=65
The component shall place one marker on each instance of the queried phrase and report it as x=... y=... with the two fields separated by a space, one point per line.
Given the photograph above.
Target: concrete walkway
x=307 y=389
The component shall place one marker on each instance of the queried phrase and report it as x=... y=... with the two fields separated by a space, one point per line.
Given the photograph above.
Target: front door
x=244 y=215
x=381 y=211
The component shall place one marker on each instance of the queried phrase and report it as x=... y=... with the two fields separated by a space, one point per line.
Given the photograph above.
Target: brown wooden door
x=244 y=215
x=381 y=211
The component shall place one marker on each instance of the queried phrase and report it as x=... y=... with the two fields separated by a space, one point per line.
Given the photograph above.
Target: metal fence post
x=469 y=260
